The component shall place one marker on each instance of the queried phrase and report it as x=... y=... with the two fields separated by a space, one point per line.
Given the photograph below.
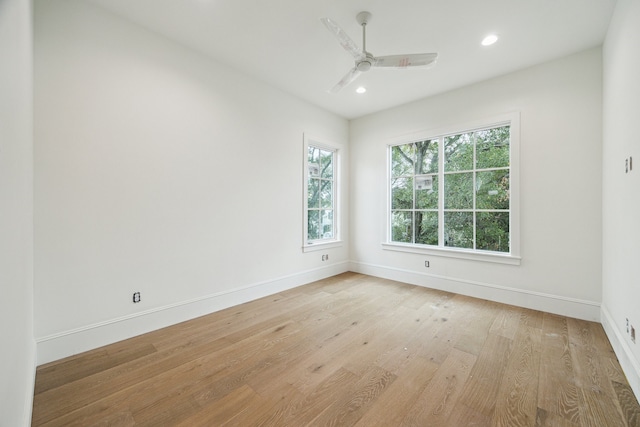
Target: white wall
x=621 y=190
x=560 y=110
x=161 y=171
x=17 y=357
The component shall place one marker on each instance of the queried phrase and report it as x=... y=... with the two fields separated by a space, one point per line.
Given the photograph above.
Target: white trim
x=469 y=126
x=557 y=304
x=514 y=185
x=320 y=245
x=67 y=343
x=496 y=257
x=510 y=118
x=337 y=224
x=628 y=362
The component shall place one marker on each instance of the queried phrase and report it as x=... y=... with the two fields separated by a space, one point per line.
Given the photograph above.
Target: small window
x=455 y=191
x=321 y=165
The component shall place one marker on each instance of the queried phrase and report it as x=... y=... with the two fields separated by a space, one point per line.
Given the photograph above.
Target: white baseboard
x=628 y=362
x=67 y=343
x=572 y=307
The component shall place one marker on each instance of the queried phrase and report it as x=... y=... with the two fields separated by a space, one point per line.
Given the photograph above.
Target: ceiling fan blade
x=404 y=61
x=343 y=38
x=346 y=80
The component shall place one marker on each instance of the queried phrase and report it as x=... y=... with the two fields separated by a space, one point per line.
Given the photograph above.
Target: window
x=455 y=192
x=321 y=162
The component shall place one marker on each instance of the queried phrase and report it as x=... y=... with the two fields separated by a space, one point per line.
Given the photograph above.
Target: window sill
x=454 y=253
x=320 y=246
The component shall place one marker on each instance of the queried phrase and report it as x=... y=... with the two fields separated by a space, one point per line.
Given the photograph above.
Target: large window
x=454 y=191
x=320 y=194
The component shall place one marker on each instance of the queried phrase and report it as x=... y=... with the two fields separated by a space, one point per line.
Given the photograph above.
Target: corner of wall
x=621 y=349
x=31 y=381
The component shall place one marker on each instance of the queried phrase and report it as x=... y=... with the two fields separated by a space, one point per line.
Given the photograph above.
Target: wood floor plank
x=598 y=399
x=257 y=411
x=628 y=403
x=303 y=409
x=222 y=410
x=418 y=296
x=345 y=339
x=598 y=410
x=348 y=411
x=207 y=382
x=458 y=318
x=185 y=380
x=436 y=403
x=557 y=392
x=471 y=340
x=90 y=390
x=464 y=416
x=223 y=323
x=589 y=372
x=348 y=350
x=482 y=387
x=169 y=374
x=393 y=405
x=71 y=369
x=550 y=419
x=410 y=344
x=506 y=322
x=108 y=414
x=531 y=318
x=388 y=337
x=516 y=401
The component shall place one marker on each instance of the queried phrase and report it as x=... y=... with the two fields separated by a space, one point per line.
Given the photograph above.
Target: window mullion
x=441 y=191
x=414 y=215
x=475 y=192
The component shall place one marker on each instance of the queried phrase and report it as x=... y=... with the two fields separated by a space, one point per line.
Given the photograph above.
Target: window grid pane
x=320 y=194
x=474 y=209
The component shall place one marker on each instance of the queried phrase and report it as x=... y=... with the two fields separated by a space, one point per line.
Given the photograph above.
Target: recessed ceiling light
x=489 y=40
x=361 y=89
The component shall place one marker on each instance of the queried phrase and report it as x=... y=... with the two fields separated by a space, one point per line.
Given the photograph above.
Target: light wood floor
x=349 y=350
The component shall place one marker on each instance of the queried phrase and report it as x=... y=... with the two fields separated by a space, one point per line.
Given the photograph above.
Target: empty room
x=361 y=212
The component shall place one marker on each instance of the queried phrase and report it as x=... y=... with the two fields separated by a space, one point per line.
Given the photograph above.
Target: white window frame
x=513 y=257
x=335 y=241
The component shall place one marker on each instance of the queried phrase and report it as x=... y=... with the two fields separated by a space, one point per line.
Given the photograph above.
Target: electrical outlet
x=136 y=297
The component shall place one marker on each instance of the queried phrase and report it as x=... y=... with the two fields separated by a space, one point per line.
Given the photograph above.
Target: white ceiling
x=283 y=42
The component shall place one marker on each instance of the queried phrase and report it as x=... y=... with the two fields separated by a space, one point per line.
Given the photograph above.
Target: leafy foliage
x=458 y=229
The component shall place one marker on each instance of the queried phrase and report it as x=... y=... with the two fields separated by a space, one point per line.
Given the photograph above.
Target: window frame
x=513 y=257
x=335 y=241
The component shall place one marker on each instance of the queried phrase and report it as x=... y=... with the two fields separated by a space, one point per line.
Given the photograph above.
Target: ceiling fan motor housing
x=366 y=63
x=363 y=18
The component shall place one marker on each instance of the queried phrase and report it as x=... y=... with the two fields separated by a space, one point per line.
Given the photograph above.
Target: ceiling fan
x=365 y=60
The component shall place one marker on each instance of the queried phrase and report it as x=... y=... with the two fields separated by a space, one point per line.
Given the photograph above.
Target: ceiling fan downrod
x=366 y=63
